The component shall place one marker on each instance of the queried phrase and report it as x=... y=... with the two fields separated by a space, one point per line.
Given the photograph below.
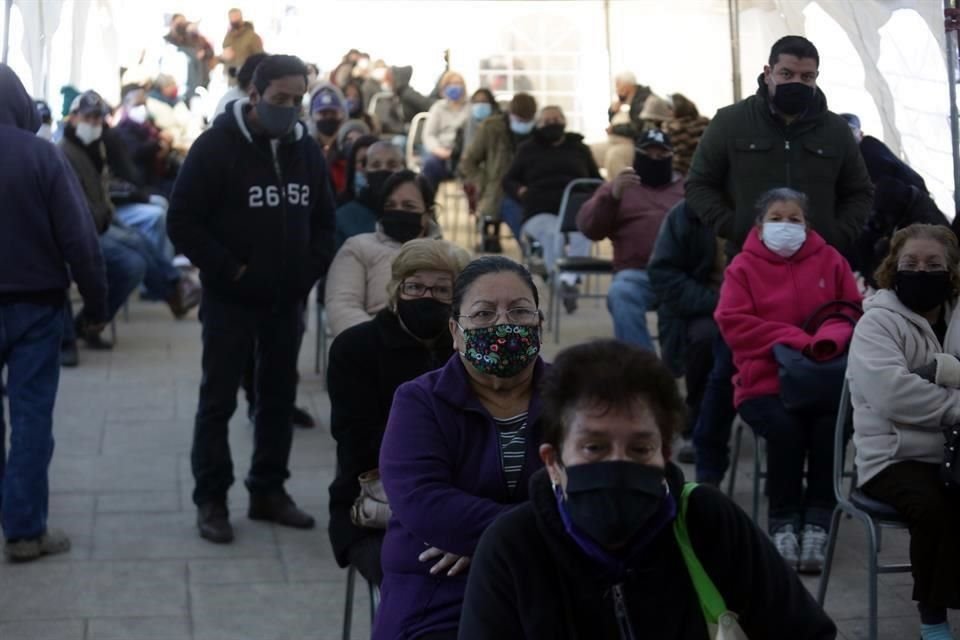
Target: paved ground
x=120 y=486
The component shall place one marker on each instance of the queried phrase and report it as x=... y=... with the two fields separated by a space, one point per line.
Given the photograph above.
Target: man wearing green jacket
x=783 y=136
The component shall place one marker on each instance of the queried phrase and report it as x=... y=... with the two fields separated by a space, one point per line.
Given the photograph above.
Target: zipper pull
x=786 y=145
x=620 y=609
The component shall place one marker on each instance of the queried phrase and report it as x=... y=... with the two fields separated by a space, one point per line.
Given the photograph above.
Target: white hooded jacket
x=898 y=415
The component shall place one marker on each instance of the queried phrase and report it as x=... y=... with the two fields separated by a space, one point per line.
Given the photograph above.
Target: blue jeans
x=435 y=170
x=30 y=338
x=512 y=214
x=793 y=438
x=543 y=228
x=150 y=219
x=629 y=298
x=132 y=254
x=711 y=435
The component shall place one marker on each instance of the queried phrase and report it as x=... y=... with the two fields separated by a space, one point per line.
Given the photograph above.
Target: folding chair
x=414 y=151
x=873 y=514
x=758 y=471
x=575 y=194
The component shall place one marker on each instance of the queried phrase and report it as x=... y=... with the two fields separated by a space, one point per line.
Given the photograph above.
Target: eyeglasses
x=518 y=315
x=441 y=292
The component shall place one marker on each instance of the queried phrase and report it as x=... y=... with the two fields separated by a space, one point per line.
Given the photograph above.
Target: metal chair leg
x=348 y=602
x=757 y=472
x=555 y=303
x=317 y=347
x=374 y=593
x=872 y=575
x=735 y=459
x=828 y=561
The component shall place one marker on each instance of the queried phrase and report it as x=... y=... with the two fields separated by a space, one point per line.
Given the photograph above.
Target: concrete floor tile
x=139 y=629
x=237 y=571
x=146 y=437
x=43 y=630
x=96 y=474
x=138 y=502
x=131 y=536
x=64 y=590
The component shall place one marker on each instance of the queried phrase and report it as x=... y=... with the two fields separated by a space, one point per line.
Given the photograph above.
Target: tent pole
x=733 y=9
x=951 y=38
x=8 y=5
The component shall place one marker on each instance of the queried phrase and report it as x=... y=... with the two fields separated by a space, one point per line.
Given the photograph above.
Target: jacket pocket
x=820 y=160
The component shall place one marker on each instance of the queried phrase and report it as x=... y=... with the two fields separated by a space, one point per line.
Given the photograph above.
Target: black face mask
x=402 y=226
x=327 y=127
x=922 y=291
x=375 y=181
x=622 y=98
x=549 y=134
x=425 y=318
x=612 y=501
x=794 y=98
x=652 y=172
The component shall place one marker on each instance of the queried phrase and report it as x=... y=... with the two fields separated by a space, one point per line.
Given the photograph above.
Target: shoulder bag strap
x=711 y=601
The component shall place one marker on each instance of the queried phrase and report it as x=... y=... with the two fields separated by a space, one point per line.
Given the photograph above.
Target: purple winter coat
x=440 y=465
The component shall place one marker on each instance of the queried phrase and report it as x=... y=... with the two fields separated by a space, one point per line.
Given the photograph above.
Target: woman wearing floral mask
x=459 y=449
x=785 y=274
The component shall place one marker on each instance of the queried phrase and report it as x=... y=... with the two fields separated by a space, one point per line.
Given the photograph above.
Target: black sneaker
x=569 y=294
x=279 y=508
x=300 y=418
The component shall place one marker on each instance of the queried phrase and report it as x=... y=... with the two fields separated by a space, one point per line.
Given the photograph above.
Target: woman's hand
x=456 y=564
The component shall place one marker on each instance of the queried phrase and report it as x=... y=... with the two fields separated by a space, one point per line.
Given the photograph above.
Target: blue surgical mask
x=520 y=127
x=481 y=110
x=359 y=181
x=453 y=92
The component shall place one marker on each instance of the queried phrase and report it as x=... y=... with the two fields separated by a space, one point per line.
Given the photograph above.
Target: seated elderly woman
x=408 y=338
x=786 y=277
x=904 y=377
x=459 y=449
x=597 y=551
x=356 y=285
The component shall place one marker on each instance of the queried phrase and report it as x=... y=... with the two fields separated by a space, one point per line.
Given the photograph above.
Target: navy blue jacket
x=233 y=206
x=45 y=225
x=683 y=261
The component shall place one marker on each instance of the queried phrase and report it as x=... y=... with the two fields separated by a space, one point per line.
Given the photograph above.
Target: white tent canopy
x=884 y=60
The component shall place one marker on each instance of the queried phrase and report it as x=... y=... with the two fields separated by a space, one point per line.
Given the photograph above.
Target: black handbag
x=809 y=385
x=950 y=467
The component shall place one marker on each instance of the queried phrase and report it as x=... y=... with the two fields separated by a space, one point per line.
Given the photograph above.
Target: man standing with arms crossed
x=252 y=209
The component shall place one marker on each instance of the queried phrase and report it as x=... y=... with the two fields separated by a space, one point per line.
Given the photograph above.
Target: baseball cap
x=852 y=120
x=327 y=98
x=89 y=102
x=654 y=137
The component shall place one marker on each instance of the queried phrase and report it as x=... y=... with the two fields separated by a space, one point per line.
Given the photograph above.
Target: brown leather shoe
x=278 y=507
x=213 y=521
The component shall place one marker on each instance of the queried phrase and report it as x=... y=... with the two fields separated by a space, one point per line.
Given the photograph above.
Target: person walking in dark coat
x=252 y=208
x=47 y=236
x=596 y=551
x=367 y=363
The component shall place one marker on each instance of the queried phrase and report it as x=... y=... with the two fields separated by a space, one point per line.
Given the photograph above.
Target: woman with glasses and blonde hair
x=367 y=363
x=904 y=376
x=459 y=449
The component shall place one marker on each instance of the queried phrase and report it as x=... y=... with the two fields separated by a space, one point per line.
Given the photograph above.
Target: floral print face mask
x=503 y=350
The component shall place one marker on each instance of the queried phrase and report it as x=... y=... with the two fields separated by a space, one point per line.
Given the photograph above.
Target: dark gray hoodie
x=45 y=226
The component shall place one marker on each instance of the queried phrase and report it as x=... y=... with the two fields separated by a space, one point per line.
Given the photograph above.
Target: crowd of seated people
x=466 y=421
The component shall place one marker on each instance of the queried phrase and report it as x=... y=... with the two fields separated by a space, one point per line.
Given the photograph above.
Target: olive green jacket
x=486 y=161
x=748 y=149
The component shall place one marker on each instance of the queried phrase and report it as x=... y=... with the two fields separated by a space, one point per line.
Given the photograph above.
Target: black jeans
x=249 y=373
x=914 y=489
x=364 y=554
x=794 y=438
x=698 y=361
x=230 y=331
x=711 y=436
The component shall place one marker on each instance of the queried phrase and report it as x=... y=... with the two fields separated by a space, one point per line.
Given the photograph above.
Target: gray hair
x=550 y=107
x=782 y=194
x=626 y=77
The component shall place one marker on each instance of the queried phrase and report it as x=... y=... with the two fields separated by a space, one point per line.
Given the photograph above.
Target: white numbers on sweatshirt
x=297 y=195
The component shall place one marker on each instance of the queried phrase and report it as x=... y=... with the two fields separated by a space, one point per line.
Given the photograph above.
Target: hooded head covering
x=657 y=109
x=349 y=127
x=16 y=105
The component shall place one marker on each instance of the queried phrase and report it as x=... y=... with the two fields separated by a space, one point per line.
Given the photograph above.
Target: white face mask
x=138 y=113
x=783 y=238
x=87 y=133
x=45 y=132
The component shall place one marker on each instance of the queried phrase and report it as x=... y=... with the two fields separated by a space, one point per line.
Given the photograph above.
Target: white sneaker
x=785 y=540
x=813 y=542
